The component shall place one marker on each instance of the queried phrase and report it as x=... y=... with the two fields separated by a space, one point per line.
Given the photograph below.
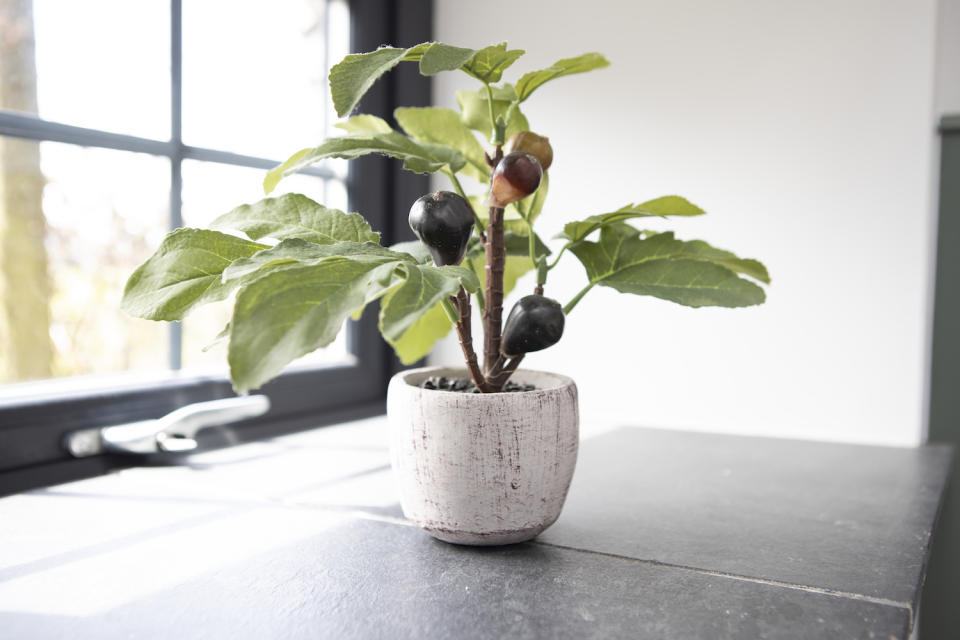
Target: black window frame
x=32 y=431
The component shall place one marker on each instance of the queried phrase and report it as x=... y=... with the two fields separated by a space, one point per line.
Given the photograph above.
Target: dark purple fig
x=532 y=143
x=444 y=222
x=517 y=175
x=534 y=323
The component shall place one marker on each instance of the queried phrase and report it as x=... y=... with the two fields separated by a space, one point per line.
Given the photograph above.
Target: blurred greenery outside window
x=146 y=147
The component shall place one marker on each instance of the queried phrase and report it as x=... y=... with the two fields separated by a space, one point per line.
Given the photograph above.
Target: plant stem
x=501 y=378
x=570 y=305
x=496 y=257
x=478 y=223
x=496 y=137
x=493 y=312
x=465 y=334
x=557 y=259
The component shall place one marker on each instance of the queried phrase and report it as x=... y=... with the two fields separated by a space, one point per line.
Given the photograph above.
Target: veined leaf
x=516 y=244
x=290 y=312
x=475 y=114
x=531 y=206
x=297 y=251
x=439 y=57
x=355 y=74
x=417 y=157
x=297 y=216
x=184 y=273
x=364 y=123
x=487 y=64
x=587 y=62
x=443 y=126
x=666 y=268
x=658 y=207
x=418 y=341
x=425 y=286
x=415 y=249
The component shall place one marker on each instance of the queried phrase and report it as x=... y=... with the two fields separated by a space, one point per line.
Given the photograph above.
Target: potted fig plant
x=484 y=453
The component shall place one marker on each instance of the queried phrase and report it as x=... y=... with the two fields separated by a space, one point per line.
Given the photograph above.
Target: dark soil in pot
x=465 y=385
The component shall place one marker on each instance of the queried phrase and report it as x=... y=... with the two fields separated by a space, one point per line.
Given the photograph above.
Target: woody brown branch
x=462 y=302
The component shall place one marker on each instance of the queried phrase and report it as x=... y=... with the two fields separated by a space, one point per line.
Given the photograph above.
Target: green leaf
x=288 y=313
x=414 y=248
x=184 y=273
x=659 y=207
x=296 y=251
x=417 y=157
x=443 y=57
x=516 y=244
x=487 y=64
x=443 y=126
x=297 y=216
x=364 y=123
x=475 y=114
x=663 y=267
x=425 y=286
x=531 y=206
x=529 y=82
x=418 y=341
x=355 y=74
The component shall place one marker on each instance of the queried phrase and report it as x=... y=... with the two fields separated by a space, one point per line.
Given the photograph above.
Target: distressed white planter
x=483 y=469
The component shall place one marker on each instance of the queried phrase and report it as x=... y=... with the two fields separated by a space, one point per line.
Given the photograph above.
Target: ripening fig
x=531 y=143
x=443 y=221
x=517 y=175
x=534 y=323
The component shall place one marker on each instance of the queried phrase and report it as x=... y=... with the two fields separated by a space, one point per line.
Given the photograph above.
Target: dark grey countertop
x=665 y=535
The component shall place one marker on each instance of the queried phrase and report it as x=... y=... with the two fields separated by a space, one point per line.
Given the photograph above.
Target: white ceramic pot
x=483 y=469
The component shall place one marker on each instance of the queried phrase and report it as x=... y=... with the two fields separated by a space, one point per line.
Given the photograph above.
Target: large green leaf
x=531 y=206
x=443 y=126
x=297 y=251
x=425 y=286
x=355 y=74
x=439 y=57
x=587 y=62
x=296 y=216
x=417 y=157
x=415 y=249
x=667 y=268
x=516 y=244
x=487 y=64
x=290 y=312
x=475 y=114
x=658 y=207
x=364 y=123
x=184 y=272
x=418 y=341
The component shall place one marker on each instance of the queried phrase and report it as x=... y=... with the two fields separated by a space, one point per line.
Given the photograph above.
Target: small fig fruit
x=534 y=323
x=517 y=175
x=531 y=143
x=444 y=222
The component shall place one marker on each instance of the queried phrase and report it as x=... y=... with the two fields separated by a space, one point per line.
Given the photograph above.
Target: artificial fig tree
x=320 y=266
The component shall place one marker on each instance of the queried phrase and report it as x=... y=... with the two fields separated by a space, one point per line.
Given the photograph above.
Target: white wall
x=806 y=130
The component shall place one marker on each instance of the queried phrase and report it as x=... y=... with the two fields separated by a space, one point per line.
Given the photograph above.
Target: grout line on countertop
x=734 y=576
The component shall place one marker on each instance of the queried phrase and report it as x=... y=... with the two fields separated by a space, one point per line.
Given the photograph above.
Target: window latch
x=175 y=432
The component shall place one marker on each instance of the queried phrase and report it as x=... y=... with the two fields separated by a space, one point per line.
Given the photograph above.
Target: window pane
x=74 y=223
x=102 y=64
x=259 y=87
x=209 y=190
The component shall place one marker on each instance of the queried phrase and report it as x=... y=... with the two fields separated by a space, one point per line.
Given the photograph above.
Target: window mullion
x=176 y=159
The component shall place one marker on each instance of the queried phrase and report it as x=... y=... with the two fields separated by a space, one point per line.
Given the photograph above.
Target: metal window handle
x=174 y=432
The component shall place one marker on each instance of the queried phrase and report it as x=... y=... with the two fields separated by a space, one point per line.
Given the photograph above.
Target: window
x=120 y=121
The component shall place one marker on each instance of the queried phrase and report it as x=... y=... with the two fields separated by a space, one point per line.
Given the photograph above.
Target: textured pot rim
x=561 y=381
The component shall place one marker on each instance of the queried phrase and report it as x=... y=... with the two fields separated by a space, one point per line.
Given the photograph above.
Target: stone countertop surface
x=665 y=534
